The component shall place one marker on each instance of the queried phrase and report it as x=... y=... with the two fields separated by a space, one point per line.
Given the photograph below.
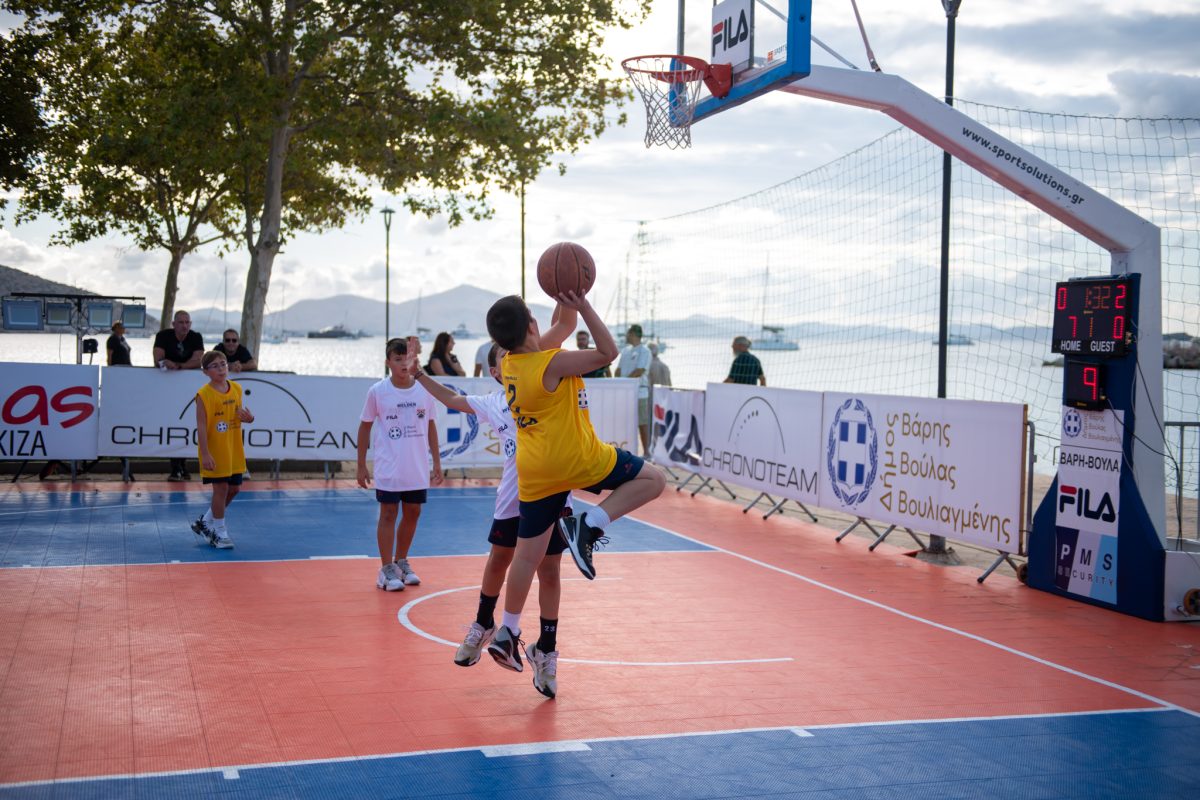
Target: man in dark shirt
x=239 y=358
x=178 y=347
x=583 y=342
x=745 y=368
x=117 y=347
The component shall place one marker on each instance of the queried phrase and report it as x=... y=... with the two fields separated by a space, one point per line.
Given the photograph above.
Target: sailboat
x=772 y=337
x=653 y=335
x=423 y=334
x=280 y=336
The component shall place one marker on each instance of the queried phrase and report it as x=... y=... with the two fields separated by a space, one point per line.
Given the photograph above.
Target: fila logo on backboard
x=1081 y=499
x=725 y=35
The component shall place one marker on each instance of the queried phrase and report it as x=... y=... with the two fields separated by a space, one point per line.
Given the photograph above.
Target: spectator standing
x=745 y=367
x=442 y=360
x=239 y=357
x=178 y=347
x=481 y=358
x=660 y=373
x=583 y=341
x=635 y=363
x=117 y=347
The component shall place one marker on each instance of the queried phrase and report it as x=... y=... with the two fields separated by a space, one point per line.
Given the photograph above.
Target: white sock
x=512 y=622
x=208 y=517
x=219 y=525
x=597 y=518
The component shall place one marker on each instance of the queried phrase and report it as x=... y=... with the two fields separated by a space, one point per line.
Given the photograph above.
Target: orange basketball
x=566 y=267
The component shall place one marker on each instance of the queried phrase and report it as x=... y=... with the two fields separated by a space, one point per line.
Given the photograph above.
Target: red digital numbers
x=1060 y=298
x=1091 y=379
x=1118 y=328
x=1120 y=301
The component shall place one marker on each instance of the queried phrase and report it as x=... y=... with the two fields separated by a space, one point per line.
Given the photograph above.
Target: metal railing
x=1180 y=471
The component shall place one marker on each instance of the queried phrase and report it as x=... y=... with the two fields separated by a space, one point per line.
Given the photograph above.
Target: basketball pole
x=522 y=238
x=937 y=544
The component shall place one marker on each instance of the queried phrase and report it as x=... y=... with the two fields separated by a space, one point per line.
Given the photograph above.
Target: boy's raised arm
x=577 y=362
x=562 y=325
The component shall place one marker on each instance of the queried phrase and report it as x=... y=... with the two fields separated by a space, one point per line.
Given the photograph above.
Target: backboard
x=766 y=41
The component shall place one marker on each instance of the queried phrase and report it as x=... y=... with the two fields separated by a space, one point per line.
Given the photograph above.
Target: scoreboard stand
x=1092 y=538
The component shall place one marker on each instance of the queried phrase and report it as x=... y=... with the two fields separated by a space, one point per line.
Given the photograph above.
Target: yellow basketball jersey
x=557 y=448
x=224 y=430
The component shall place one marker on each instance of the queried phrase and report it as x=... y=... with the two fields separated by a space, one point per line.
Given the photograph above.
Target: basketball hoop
x=670 y=88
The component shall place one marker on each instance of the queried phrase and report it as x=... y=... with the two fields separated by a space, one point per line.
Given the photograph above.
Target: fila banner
x=1088 y=506
x=48 y=411
x=678 y=422
x=947 y=467
x=149 y=413
x=763 y=438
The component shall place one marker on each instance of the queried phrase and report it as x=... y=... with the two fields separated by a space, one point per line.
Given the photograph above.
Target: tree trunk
x=266 y=246
x=171 y=287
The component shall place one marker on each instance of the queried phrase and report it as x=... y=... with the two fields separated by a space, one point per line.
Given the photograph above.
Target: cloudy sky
x=1089 y=57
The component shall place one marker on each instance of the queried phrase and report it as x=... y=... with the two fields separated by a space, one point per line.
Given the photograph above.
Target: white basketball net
x=670 y=89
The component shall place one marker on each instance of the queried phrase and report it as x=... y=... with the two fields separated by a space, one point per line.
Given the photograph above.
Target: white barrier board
x=766 y=439
x=148 y=413
x=48 y=411
x=678 y=425
x=947 y=467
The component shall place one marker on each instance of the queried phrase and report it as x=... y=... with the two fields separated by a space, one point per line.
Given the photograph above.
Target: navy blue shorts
x=411 y=496
x=232 y=480
x=504 y=534
x=626 y=469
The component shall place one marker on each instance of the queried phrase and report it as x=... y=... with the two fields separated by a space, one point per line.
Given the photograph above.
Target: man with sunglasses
x=238 y=356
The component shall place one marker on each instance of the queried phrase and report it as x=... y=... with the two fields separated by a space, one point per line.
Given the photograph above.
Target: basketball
x=566 y=267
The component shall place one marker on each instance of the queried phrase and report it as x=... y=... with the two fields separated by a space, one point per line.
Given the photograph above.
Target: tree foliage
x=314 y=102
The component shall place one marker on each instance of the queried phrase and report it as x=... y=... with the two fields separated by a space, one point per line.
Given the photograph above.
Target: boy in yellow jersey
x=557 y=451
x=219 y=418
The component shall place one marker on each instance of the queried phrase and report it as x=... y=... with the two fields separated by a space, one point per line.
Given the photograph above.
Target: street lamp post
x=387 y=273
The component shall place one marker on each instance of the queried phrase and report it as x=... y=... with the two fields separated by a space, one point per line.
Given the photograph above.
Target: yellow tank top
x=557 y=448
x=224 y=430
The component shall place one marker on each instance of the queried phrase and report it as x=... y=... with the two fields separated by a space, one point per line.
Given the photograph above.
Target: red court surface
x=126 y=670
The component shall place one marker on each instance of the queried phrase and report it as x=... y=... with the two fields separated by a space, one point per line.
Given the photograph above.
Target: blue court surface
x=93 y=528
x=715 y=656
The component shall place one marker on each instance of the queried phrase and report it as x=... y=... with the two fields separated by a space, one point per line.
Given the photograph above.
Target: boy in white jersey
x=542 y=654
x=406 y=430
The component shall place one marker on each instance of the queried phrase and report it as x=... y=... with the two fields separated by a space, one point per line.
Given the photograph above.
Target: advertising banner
x=763 y=438
x=947 y=467
x=48 y=411
x=678 y=422
x=148 y=413
x=1088 y=506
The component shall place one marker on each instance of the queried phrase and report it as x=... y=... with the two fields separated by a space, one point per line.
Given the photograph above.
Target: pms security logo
x=852 y=452
x=1072 y=423
x=461 y=429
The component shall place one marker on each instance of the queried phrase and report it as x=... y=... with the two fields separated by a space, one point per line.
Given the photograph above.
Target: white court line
x=800 y=732
x=949 y=629
x=403 y=616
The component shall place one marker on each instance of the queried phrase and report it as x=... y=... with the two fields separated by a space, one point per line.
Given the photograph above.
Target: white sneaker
x=390 y=579
x=410 y=577
x=472 y=647
x=221 y=541
x=545 y=670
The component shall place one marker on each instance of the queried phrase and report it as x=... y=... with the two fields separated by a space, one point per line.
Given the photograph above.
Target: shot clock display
x=1091 y=317
x=1083 y=385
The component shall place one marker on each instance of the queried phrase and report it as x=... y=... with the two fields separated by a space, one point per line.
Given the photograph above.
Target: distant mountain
x=463 y=305
x=14 y=280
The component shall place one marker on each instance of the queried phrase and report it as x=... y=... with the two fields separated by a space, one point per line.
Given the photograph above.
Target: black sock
x=548 y=641
x=485 y=616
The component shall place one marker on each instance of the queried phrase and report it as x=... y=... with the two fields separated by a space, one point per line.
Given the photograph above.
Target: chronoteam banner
x=148 y=413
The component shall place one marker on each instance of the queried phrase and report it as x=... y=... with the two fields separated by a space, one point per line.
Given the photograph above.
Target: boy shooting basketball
x=557 y=451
